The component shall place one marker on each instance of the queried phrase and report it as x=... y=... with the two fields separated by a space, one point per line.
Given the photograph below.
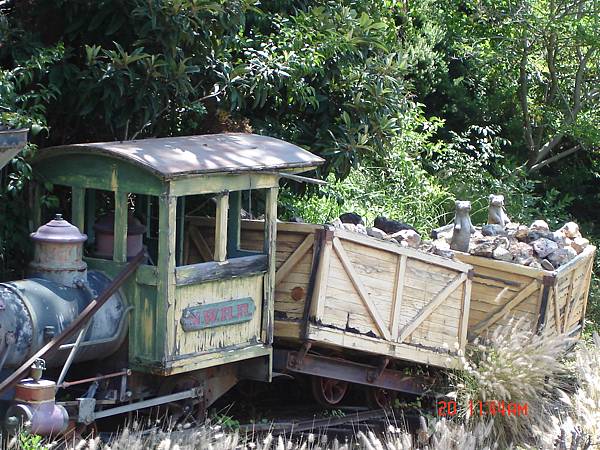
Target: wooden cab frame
x=172 y=326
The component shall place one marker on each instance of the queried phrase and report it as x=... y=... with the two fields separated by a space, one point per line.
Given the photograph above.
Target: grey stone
x=441 y=244
x=493 y=230
x=483 y=247
x=579 y=244
x=560 y=238
x=502 y=254
x=535 y=264
x=446 y=253
x=543 y=247
x=412 y=238
x=539 y=225
x=547 y=264
x=360 y=228
x=571 y=230
x=521 y=250
x=502 y=241
x=349 y=227
x=376 y=233
x=562 y=256
x=527 y=261
x=535 y=235
x=352 y=218
x=522 y=232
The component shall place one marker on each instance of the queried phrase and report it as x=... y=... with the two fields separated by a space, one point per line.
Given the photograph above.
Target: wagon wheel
x=380 y=398
x=328 y=391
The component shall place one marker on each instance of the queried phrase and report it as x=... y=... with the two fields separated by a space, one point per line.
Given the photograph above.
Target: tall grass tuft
x=577 y=426
x=513 y=366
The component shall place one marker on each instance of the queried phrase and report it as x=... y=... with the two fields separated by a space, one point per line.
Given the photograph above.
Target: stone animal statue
x=496 y=212
x=352 y=218
x=391 y=226
x=461 y=235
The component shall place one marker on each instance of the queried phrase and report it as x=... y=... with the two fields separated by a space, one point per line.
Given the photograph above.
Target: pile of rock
x=385 y=229
x=534 y=245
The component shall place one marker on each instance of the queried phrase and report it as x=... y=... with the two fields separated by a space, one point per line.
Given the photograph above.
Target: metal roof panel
x=186 y=155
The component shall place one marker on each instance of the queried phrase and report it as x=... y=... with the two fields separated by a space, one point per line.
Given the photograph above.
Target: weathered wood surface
x=368 y=295
x=554 y=300
x=203 y=272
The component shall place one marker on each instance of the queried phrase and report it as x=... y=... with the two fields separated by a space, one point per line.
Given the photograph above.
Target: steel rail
x=314 y=424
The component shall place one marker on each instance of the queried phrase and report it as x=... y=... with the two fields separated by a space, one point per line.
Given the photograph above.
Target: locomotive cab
x=200 y=307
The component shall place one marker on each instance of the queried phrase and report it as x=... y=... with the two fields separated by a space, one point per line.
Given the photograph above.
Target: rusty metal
x=77 y=324
x=105 y=236
x=376 y=373
x=31 y=391
x=353 y=372
x=35 y=409
x=298 y=293
x=58 y=254
x=66 y=384
x=298 y=358
x=186 y=155
x=87 y=414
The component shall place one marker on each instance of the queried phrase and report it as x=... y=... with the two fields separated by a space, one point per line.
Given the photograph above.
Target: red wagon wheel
x=380 y=398
x=328 y=391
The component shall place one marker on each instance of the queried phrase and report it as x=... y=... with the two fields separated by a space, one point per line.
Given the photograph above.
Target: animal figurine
x=390 y=226
x=496 y=212
x=461 y=235
x=352 y=218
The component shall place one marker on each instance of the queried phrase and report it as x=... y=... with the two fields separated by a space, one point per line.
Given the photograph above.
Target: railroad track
x=372 y=417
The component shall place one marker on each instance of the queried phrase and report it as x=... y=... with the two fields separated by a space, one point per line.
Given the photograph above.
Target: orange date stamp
x=483 y=408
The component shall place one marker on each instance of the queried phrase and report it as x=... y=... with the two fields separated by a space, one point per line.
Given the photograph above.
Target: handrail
x=74 y=326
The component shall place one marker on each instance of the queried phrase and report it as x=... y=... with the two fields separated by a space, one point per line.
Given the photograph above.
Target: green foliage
x=27 y=441
x=25 y=94
x=413 y=104
x=401 y=191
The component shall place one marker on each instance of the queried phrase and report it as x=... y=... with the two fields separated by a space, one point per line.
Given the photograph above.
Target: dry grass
x=563 y=412
x=512 y=366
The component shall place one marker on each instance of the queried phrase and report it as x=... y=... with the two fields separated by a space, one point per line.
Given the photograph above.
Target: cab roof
x=187 y=155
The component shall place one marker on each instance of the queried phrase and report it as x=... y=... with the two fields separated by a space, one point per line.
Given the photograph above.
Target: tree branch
x=555 y=158
x=523 y=94
x=577 y=106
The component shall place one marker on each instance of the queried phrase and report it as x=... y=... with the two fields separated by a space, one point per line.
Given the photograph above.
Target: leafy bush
x=400 y=190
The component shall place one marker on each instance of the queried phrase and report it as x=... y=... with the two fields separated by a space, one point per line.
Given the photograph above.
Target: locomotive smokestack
x=58 y=253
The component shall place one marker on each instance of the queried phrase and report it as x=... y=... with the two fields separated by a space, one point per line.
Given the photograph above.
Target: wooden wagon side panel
x=568 y=300
x=294 y=262
x=379 y=297
x=500 y=294
x=504 y=291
